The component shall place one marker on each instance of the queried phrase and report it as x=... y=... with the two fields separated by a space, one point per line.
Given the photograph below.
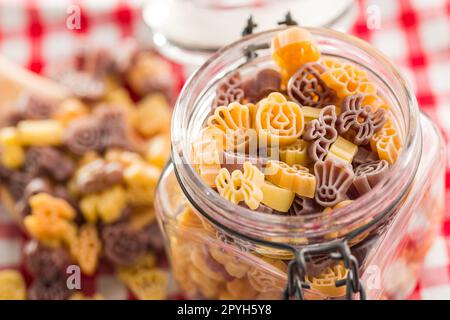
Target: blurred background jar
x=189 y=31
x=220 y=251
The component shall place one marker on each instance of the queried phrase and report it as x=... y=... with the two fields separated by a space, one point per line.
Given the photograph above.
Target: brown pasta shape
x=35 y=186
x=364 y=155
x=49 y=289
x=229 y=90
x=51 y=161
x=303 y=206
x=322 y=133
x=122 y=244
x=307 y=88
x=44 y=262
x=113 y=127
x=368 y=175
x=98 y=175
x=17 y=182
x=265 y=82
x=34 y=108
x=334 y=177
x=83 y=135
x=363 y=121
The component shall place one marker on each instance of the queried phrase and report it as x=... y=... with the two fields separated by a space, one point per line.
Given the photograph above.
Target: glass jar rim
x=251 y=223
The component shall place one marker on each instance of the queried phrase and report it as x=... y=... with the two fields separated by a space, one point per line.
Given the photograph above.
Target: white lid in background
x=209 y=24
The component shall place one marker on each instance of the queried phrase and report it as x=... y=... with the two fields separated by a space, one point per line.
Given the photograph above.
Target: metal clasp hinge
x=337 y=250
x=250 y=51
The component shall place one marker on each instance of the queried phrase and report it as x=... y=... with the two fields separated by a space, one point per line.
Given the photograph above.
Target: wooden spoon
x=15 y=78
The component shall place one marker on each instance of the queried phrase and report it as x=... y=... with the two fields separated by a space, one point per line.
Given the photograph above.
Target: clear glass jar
x=181 y=29
x=219 y=250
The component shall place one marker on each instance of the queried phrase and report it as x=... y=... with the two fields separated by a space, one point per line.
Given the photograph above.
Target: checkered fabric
x=414 y=33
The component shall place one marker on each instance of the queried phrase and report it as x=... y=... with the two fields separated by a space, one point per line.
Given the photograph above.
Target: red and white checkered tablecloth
x=414 y=33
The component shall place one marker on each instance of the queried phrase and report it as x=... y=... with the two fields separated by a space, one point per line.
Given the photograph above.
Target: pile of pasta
x=80 y=175
x=308 y=136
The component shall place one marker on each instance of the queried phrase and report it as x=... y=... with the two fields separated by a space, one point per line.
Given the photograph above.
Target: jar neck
x=193 y=107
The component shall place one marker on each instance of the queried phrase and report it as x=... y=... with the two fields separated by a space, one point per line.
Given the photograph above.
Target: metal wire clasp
x=250 y=26
x=337 y=250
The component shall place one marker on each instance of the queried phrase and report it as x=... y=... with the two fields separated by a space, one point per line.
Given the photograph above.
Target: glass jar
x=373 y=248
x=181 y=29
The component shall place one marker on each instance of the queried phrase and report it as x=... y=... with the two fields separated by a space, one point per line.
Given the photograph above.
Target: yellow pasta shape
x=125 y=158
x=9 y=136
x=236 y=268
x=112 y=203
x=252 y=174
x=12 y=153
x=158 y=150
x=343 y=150
x=86 y=248
x=40 y=132
x=346 y=231
x=233 y=122
x=50 y=220
x=198 y=259
x=69 y=110
x=310 y=114
x=209 y=173
x=240 y=289
x=207 y=287
x=295 y=178
x=12 y=156
x=252 y=108
x=325 y=283
x=232 y=117
x=296 y=153
x=142 y=217
x=278 y=122
x=189 y=219
x=149 y=284
x=206 y=154
x=387 y=143
x=347 y=79
x=264 y=281
x=277 y=198
x=12 y=285
x=153 y=115
x=88 y=206
x=293 y=47
x=141 y=183
x=121 y=98
x=237 y=186
x=144 y=264
x=106 y=205
x=88 y=157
